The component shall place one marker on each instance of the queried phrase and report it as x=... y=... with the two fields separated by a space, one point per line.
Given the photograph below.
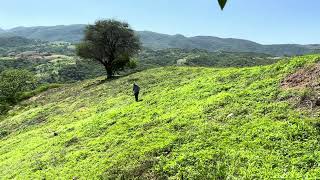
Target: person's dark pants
x=136 y=95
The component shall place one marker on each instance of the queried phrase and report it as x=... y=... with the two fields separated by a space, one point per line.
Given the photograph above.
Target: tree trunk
x=109 y=71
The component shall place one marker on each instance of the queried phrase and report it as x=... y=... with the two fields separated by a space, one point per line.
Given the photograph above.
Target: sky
x=262 y=21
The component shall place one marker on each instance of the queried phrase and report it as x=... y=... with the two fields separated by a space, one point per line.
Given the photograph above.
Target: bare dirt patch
x=308 y=81
x=303 y=78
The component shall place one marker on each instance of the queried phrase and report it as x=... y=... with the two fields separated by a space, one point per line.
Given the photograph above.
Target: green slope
x=196 y=123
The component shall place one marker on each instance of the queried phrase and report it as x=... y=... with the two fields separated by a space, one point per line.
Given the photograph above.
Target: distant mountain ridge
x=152 y=40
x=69 y=33
x=162 y=41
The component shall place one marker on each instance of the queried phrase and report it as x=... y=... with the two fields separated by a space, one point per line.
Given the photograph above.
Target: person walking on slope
x=136 y=90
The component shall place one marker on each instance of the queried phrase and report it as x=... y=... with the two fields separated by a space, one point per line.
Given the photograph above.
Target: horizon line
x=178 y=34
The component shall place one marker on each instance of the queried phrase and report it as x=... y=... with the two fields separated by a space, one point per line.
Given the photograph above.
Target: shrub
x=12 y=83
x=38 y=90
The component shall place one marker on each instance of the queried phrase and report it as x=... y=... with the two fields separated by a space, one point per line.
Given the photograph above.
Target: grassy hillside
x=196 y=123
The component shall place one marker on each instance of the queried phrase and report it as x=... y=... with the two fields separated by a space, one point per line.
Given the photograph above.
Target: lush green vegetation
x=13 y=83
x=193 y=123
x=17 y=85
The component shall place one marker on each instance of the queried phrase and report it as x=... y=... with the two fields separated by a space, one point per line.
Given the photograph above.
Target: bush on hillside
x=38 y=90
x=12 y=84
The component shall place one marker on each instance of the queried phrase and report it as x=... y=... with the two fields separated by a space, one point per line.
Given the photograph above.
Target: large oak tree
x=111 y=43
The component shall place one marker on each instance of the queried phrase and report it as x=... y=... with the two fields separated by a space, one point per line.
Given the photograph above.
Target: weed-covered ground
x=192 y=123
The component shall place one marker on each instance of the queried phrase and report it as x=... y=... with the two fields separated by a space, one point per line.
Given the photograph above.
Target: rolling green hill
x=193 y=123
x=156 y=41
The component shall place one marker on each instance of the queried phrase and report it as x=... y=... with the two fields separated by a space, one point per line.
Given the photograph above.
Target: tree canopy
x=13 y=82
x=111 y=43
